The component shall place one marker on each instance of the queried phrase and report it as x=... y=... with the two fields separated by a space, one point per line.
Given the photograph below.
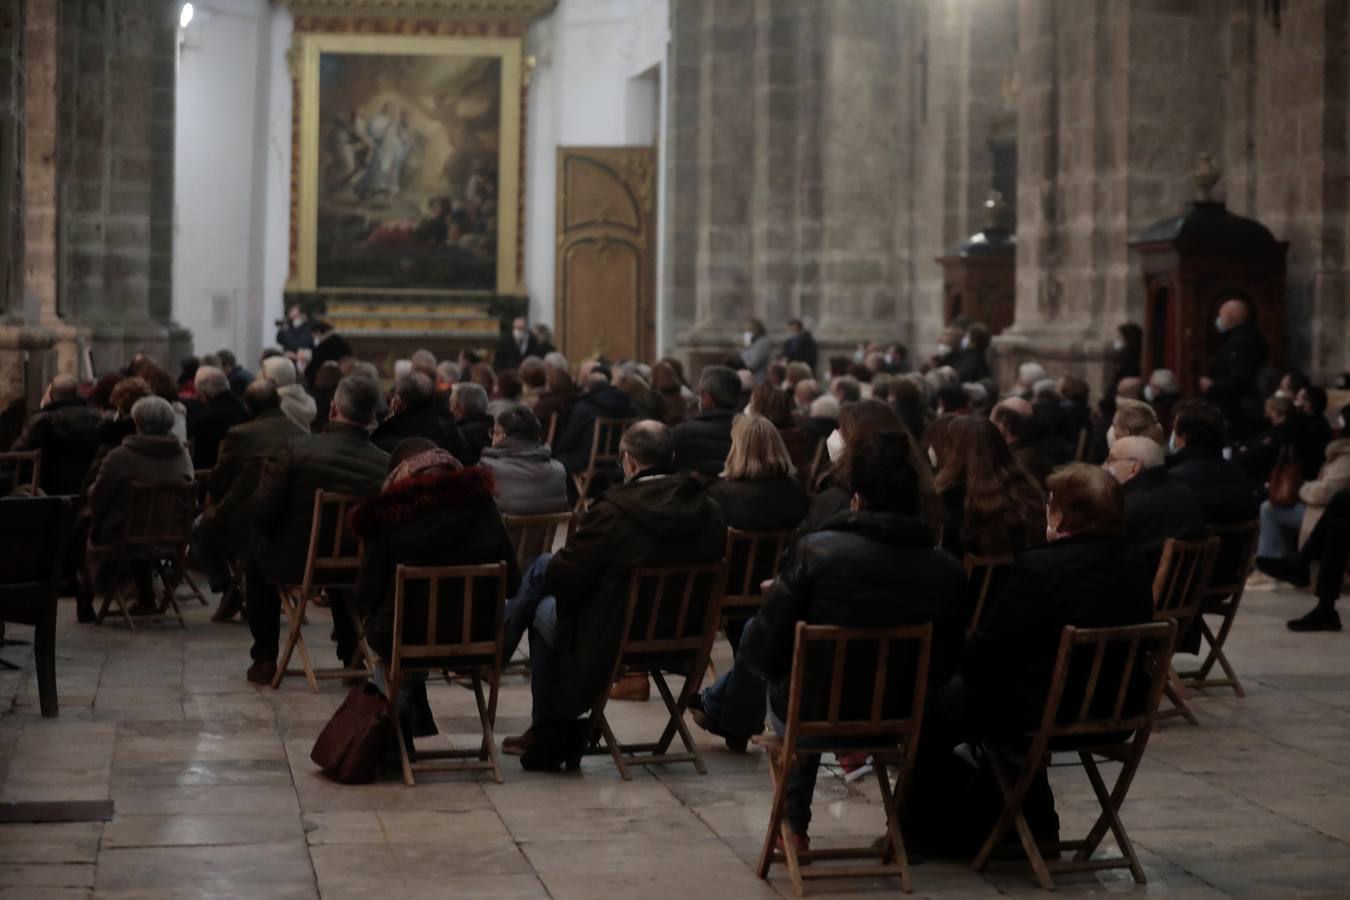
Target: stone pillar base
x=114 y=344
x=1076 y=350
x=25 y=352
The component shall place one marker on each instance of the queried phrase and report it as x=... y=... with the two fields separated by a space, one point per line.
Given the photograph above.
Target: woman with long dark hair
x=991 y=505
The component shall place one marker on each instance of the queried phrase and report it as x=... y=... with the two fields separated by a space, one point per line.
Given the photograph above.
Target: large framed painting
x=409 y=163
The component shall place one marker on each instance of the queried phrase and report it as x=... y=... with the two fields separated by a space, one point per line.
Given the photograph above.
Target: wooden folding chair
x=981 y=573
x=1223 y=595
x=820 y=461
x=1080 y=445
x=537 y=534
x=752 y=557
x=159 y=523
x=1092 y=723
x=552 y=429
x=448 y=619
x=34 y=532
x=876 y=723
x=12 y=465
x=1178 y=591
x=604 y=459
x=332 y=561
x=669 y=626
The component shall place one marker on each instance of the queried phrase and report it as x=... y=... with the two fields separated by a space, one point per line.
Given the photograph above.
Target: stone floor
x=216 y=796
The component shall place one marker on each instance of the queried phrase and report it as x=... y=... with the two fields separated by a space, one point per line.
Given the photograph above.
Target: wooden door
x=606 y=262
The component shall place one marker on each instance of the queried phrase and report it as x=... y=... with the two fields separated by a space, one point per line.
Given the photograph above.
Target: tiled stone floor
x=216 y=796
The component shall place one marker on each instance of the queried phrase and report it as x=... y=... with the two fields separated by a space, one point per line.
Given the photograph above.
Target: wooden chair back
x=534 y=535
x=12 y=466
x=894 y=659
x=1080 y=446
x=1235 y=561
x=1106 y=682
x=334 y=555
x=1182 y=578
x=33 y=531
x=820 y=461
x=983 y=575
x=752 y=557
x=673 y=615
x=448 y=617
x=159 y=520
x=552 y=431
x=605 y=445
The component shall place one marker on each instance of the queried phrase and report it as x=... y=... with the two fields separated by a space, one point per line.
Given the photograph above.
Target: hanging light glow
x=185 y=15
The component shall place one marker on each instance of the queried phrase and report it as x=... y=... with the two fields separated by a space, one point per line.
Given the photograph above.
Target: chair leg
x=794 y=864
x=403 y=760
x=1176 y=693
x=1110 y=806
x=44 y=659
x=485 y=720
x=295 y=640
x=896 y=839
x=775 y=812
x=1013 y=798
x=615 y=748
x=677 y=720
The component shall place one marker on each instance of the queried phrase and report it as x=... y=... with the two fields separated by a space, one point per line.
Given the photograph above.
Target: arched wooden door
x=606 y=259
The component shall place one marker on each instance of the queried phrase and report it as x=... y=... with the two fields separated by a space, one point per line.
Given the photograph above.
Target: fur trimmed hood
x=405 y=499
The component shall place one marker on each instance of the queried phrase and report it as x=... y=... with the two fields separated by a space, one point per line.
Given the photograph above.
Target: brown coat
x=140 y=458
x=1316 y=494
x=244 y=453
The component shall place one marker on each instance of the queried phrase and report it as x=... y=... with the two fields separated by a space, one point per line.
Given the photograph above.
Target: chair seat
x=877 y=747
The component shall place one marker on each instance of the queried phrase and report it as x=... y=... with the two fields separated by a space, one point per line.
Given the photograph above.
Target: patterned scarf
x=427 y=459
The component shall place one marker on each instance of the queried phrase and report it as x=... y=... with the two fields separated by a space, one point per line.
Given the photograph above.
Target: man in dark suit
x=340 y=459
x=468 y=410
x=66 y=431
x=514 y=346
x=216 y=411
x=600 y=400
x=800 y=345
x=1157 y=506
x=328 y=346
x=702 y=442
x=1198 y=436
x=238 y=377
x=1231 y=383
x=222 y=529
x=414 y=414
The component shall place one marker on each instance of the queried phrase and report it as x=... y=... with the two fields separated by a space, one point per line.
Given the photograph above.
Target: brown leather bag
x=1285 y=479
x=353 y=744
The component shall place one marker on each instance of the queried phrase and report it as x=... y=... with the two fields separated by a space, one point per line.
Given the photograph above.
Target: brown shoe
x=262 y=672
x=519 y=746
x=633 y=686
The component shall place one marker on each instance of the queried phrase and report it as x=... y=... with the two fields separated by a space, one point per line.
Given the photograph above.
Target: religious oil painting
x=408 y=150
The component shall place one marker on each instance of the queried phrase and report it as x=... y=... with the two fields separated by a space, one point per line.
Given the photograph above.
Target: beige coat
x=1331 y=480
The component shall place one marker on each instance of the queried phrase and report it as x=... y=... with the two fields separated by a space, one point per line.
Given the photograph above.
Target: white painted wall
x=600 y=79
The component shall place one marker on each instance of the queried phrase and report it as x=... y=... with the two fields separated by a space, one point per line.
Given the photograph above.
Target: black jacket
x=332 y=348
x=868 y=570
x=1233 y=371
x=207 y=424
x=342 y=459
x=970 y=365
x=111 y=432
x=703 y=442
x=765 y=504
x=1225 y=493
x=1089 y=582
x=509 y=356
x=67 y=433
x=424 y=423
x=572 y=447
x=438 y=518
x=801 y=348
x=244 y=454
x=1158 y=507
x=654 y=519
x=477 y=433
x=291 y=338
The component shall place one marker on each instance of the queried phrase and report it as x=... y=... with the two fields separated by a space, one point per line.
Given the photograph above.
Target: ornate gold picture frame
x=408 y=163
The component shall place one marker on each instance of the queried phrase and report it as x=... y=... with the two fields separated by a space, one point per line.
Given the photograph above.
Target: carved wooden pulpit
x=979 y=275
x=1191 y=264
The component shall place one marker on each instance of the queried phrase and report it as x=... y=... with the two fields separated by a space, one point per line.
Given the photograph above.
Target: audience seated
x=969 y=359
x=846 y=389
x=341 y=459
x=1281 y=525
x=1028 y=374
x=774 y=404
x=431 y=512
x=328 y=346
x=1328 y=544
x=66 y=432
x=601 y=399
x=680 y=402
x=991 y=506
x=1311 y=402
x=822 y=418
x=1157 y=506
x=412 y=413
x=908 y=399
x=162 y=385
x=468 y=410
x=1163 y=394
x=702 y=442
x=238 y=376
x=800 y=345
x=296 y=404
x=1087 y=575
x=215 y=411
x=1134 y=418
x=150 y=456
x=325 y=383
x=804 y=393
x=571 y=603
x=116 y=425
x=1199 y=434
x=560 y=394
x=529 y=481
x=1012 y=417
x=647 y=403
x=846 y=574
x=953 y=400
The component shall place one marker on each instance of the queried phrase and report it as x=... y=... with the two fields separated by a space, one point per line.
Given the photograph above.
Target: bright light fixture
x=185 y=15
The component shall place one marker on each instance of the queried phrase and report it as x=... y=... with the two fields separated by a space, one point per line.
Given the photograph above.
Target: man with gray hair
x=703 y=442
x=214 y=411
x=1157 y=506
x=296 y=403
x=600 y=399
x=571 y=603
x=341 y=459
x=150 y=456
x=1162 y=393
x=468 y=408
x=65 y=430
x=413 y=413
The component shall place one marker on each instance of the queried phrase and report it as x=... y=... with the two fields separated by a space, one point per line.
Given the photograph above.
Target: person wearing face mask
x=969 y=360
x=514 y=346
x=295 y=333
x=1195 y=458
x=800 y=345
x=1231 y=382
x=1157 y=506
x=756 y=350
x=1127 y=349
x=1162 y=393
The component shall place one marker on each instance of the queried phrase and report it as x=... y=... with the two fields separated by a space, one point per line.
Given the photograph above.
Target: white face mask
x=932 y=457
x=748 y=337
x=1172 y=442
x=965 y=342
x=1340 y=423
x=1283 y=393
x=1110 y=437
x=1219 y=325
x=518 y=335
x=1117 y=345
x=834 y=445
x=1149 y=393
x=297 y=321
x=944 y=349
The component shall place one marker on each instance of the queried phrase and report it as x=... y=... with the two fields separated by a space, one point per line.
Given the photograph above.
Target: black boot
x=1293 y=571
x=559 y=744
x=1322 y=618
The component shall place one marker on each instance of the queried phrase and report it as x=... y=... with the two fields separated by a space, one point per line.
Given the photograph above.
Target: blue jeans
x=736 y=701
x=801 y=778
x=1279 y=530
x=534 y=611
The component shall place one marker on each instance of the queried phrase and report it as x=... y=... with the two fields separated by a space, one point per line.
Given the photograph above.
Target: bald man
x=1157 y=506
x=66 y=431
x=1231 y=382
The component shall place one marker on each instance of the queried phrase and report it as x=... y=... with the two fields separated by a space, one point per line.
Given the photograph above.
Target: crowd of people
x=888 y=470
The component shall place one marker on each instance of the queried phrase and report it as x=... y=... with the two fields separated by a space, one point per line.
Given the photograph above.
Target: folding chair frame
x=983 y=569
x=1178 y=592
x=1223 y=600
x=605 y=436
x=20 y=458
x=645 y=653
x=169 y=553
x=1015 y=774
x=784 y=753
